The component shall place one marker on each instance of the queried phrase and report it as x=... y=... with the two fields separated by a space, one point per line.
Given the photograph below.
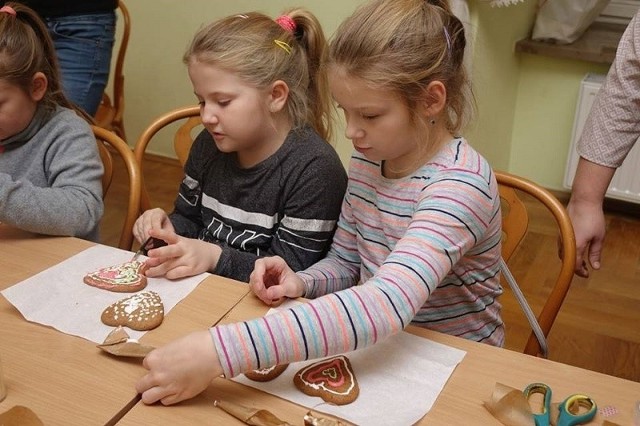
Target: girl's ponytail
x=310 y=37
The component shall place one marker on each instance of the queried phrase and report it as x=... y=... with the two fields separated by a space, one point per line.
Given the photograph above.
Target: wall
x=495 y=73
x=525 y=103
x=543 y=121
x=156 y=80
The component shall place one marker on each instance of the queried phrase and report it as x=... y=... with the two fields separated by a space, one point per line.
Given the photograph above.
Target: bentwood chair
x=515 y=222
x=109 y=144
x=110 y=114
x=187 y=119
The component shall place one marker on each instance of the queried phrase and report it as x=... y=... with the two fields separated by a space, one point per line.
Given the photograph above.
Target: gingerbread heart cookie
x=266 y=374
x=142 y=311
x=331 y=379
x=124 y=278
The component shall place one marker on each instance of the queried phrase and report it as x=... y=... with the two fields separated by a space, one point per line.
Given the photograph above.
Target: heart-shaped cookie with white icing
x=331 y=379
x=266 y=374
x=142 y=311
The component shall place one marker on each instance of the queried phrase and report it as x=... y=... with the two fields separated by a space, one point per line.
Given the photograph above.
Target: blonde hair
x=406 y=45
x=25 y=49
x=260 y=51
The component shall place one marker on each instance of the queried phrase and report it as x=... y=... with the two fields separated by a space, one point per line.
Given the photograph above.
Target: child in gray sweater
x=50 y=168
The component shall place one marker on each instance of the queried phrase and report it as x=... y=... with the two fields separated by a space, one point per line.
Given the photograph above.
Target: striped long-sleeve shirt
x=423 y=249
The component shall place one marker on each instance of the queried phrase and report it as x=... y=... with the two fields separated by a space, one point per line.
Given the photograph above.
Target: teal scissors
x=572 y=409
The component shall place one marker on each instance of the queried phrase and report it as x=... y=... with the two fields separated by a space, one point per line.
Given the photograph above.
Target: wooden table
x=65 y=379
x=460 y=403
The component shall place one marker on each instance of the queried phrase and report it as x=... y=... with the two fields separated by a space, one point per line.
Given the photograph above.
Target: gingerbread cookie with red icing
x=127 y=277
x=331 y=379
x=142 y=311
x=266 y=374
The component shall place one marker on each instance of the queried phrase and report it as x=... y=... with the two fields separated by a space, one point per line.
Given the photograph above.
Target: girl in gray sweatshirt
x=50 y=168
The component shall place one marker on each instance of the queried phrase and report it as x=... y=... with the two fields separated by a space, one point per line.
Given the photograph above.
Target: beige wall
x=526 y=103
x=545 y=110
x=156 y=80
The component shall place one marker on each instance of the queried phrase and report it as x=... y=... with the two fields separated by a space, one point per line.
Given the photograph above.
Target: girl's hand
x=180 y=370
x=272 y=280
x=181 y=257
x=151 y=219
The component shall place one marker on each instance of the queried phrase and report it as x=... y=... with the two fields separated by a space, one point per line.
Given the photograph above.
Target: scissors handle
x=542 y=417
x=570 y=414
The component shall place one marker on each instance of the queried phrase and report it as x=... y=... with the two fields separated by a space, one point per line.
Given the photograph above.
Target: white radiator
x=625 y=184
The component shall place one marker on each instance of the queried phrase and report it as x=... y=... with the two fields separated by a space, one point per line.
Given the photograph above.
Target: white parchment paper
x=58 y=297
x=399 y=378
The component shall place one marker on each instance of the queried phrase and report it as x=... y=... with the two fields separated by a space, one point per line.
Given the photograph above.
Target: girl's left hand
x=181 y=257
x=272 y=280
x=180 y=370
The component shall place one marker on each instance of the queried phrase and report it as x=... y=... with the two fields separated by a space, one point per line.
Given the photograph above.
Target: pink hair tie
x=286 y=23
x=8 y=9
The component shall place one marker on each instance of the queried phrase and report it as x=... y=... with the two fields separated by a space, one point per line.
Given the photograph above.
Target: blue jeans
x=83 y=45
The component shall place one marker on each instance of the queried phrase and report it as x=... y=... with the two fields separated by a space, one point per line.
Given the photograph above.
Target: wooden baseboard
x=622 y=207
x=156 y=158
x=611 y=205
x=562 y=196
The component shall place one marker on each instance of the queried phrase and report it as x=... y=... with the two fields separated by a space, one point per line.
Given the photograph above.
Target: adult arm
x=611 y=130
x=585 y=209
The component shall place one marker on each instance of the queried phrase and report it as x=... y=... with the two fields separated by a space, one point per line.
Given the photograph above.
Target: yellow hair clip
x=284 y=45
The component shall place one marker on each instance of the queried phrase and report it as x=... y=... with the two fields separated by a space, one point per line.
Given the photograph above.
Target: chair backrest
x=110 y=114
x=108 y=144
x=182 y=140
x=515 y=221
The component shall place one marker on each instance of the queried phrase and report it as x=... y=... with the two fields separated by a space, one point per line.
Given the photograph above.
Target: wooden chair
x=515 y=221
x=110 y=114
x=182 y=139
x=108 y=144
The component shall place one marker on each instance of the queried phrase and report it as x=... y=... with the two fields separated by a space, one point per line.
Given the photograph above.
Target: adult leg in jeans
x=83 y=45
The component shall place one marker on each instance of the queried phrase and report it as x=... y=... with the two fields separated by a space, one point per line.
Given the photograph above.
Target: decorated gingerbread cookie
x=266 y=374
x=142 y=311
x=124 y=278
x=331 y=379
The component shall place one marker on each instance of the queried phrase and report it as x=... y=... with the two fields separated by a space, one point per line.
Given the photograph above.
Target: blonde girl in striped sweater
x=418 y=239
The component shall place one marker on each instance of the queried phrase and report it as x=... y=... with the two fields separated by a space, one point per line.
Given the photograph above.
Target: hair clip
x=8 y=10
x=242 y=16
x=284 y=45
x=286 y=23
x=446 y=36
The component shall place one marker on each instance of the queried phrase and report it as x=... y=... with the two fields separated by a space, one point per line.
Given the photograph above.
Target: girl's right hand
x=179 y=370
x=272 y=280
x=151 y=219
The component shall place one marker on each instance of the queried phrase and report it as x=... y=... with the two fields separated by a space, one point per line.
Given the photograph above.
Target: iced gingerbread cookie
x=266 y=374
x=142 y=311
x=124 y=278
x=331 y=379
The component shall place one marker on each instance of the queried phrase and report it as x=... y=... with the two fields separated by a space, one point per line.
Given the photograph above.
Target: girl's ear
x=278 y=96
x=39 y=85
x=435 y=99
